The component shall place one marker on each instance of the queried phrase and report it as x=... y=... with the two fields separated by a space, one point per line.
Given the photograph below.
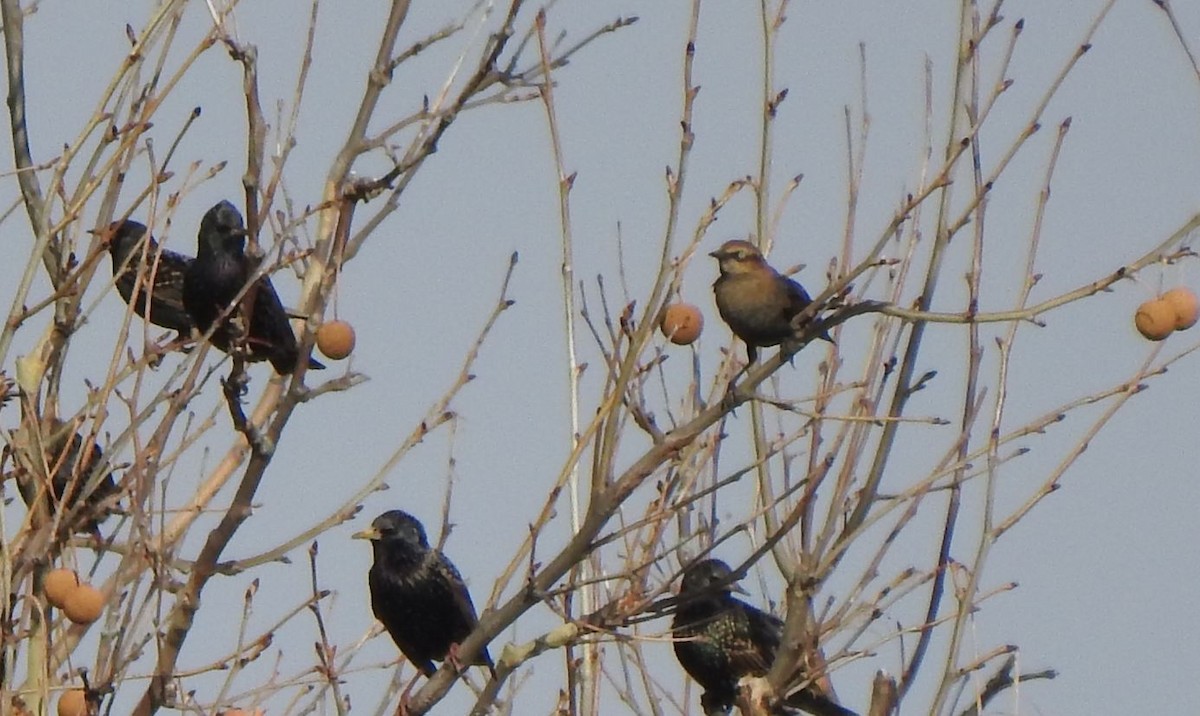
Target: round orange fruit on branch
x=336 y=339
x=58 y=585
x=84 y=604
x=1155 y=319
x=73 y=703
x=682 y=323
x=1185 y=305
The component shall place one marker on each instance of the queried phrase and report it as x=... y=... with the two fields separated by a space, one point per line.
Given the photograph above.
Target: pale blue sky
x=1106 y=566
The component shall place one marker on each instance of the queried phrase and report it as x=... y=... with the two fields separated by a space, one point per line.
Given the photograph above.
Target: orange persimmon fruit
x=682 y=323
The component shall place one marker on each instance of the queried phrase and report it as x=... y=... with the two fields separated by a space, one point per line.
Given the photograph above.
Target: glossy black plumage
x=216 y=277
x=70 y=472
x=719 y=639
x=417 y=593
x=755 y=300
x=166 y=267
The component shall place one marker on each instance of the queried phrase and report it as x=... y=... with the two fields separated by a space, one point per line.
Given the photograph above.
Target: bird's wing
x=270 y=334
x=179 y=262
x=458 y=588
x=269 y=313
x=798 y=298
x=168 y=279
x=769 y=634
x=463 y=605
x=766 y=632
x=751 y=648
x=166 y=302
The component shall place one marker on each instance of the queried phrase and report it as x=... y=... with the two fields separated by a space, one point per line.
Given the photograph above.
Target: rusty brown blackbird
x=755 y=300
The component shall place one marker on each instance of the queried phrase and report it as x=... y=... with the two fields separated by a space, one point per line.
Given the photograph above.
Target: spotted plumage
x=719 y=639
x=160 y=268
x=417 y=593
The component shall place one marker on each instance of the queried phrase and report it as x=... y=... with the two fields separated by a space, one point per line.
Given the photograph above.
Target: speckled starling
x=755 y=300
x=167 y=268
x=216 y=277
x=417 y=593
x=719 y=639
x=70 y=474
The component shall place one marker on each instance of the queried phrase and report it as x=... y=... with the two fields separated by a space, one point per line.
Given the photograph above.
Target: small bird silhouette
x=418 y=594
x=719 y=639
x=755 y=300
x=218 y=274
x=70 y=471
x=166 y=267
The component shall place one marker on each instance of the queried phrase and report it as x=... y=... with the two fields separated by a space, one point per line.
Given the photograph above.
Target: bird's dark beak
x=739 y=589
x=715 y=254
x=369 y=533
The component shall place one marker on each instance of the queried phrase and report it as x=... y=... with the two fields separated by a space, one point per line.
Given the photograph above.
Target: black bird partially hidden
x=218 y=274
x=70 y=470
x=418 y=594
x=166 y=267
x=719 y=639
x=757 y=302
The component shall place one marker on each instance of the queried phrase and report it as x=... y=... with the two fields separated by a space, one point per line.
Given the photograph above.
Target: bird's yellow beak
x=369 y=533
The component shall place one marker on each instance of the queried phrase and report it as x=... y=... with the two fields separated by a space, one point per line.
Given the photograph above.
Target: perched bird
x=70 y=470
x=755 y=300
x=214 y=279
x=166 y=267
x=719 y=639
x=418 y=594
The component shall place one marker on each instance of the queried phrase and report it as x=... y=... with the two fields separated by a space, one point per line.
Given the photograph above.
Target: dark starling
x=418 y=594
x=719 y=639
x=215 y=278
x=70 y=474
x=755 y=300
x=167 y=267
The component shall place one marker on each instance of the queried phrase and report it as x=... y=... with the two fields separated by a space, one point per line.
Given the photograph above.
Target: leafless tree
x=657 y=474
